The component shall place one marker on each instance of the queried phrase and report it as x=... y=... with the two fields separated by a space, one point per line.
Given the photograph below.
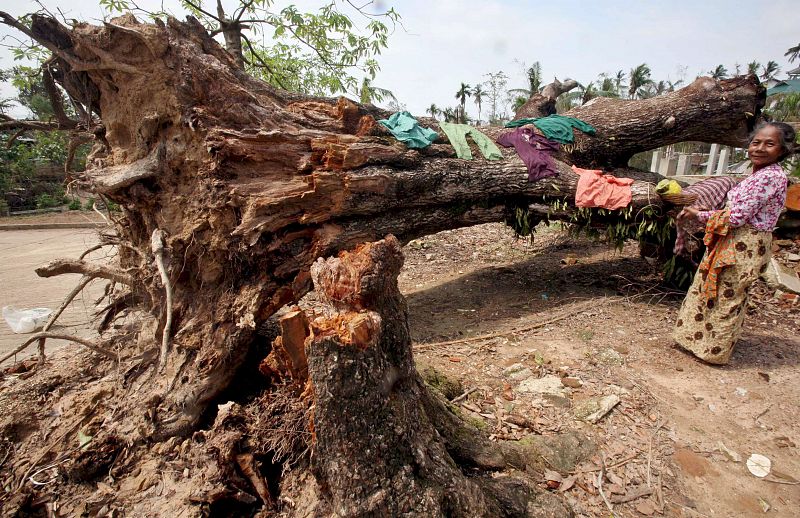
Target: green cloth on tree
x=556 y=127
x=457 y=134
x=406 y=129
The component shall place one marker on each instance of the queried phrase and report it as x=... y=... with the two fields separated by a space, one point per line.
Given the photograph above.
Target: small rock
x=593 y=410
x=547 y=385
x=428 y=257
x=712 y=407
x=610 y=357
x=793 y=257
x=697 y=397
x=741 y=392
x=778 y=276
x=572 y=382
x=679 y=368
x=646 y=507
x=518 y=372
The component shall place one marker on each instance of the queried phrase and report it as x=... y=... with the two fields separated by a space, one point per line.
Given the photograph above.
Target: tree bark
x=250 y=185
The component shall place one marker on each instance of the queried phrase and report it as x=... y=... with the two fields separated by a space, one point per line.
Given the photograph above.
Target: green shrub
x=75 y=204
x=89 y=204
x=3 y=208
x=45 y=201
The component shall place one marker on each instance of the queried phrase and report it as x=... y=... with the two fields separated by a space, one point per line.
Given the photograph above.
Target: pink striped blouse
x=757 y=200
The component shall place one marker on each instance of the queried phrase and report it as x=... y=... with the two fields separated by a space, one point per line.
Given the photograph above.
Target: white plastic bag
x=23 y=321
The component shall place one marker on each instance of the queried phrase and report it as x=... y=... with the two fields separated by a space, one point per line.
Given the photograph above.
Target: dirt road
x=20 y=253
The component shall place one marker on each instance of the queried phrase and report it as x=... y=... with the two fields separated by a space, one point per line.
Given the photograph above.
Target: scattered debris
x=759 y=465
x=732 y=455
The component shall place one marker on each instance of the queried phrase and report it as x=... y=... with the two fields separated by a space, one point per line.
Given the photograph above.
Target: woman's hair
x=788 y=137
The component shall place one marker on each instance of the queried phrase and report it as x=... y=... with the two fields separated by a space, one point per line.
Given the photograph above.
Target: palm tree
x=462 y=94
x=752 y=67
x=518 y=102
x=793 y=53
x=719 y=73
x=769 y=70
x=534 y=76
x=433 y=110
x=449 y=114
x=618 y=81
x=639 y=77
x=479 y=94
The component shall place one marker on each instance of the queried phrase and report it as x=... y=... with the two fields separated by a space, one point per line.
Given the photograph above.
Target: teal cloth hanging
x=406 y=129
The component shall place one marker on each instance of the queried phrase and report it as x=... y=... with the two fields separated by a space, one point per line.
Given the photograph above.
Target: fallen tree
x=230 y=191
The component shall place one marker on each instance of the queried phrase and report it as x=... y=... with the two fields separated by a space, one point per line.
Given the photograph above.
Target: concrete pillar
x=712 y=159
x=655 y=163
x=724 y=158
x=684 y=165
x=668 y=166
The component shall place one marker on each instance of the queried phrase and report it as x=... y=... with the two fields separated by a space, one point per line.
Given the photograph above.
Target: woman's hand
x=687 y=214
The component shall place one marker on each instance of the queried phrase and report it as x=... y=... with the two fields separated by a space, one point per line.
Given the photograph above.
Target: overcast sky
x=446 y=42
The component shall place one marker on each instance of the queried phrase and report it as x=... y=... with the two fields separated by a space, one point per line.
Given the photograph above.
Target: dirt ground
x=605 y=321
x=535 y=333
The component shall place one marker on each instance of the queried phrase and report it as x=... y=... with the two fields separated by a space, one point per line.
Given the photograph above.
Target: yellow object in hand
x=668 y=187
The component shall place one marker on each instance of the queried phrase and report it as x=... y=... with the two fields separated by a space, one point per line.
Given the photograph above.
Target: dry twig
x=531 y=327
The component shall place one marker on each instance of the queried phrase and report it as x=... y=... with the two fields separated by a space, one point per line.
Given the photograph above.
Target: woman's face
x=766 y=147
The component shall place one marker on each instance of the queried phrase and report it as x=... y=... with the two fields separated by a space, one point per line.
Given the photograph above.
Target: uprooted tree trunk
x=249 y=185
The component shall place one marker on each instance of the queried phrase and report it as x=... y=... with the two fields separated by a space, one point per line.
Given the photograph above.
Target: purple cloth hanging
x=534 y=150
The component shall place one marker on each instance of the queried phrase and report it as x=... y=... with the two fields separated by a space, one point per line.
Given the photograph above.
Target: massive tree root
x=249 y=185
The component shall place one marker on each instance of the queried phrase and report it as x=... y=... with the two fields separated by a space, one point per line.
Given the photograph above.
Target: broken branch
x=63 y=266
x=61 y=336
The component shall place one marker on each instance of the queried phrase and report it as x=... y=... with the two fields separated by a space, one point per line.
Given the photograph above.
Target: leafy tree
x=463 y=92
x=719 y=73
x=478 y=95
x=639 y=77
x=752 y=67
x=769 y=70
x=371 y=94
x=497 y=82
x=785 y=107
x=310 y=52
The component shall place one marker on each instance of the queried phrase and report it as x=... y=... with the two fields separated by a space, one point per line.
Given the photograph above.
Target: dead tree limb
x=85 y=280
x=61 y=336
x=94 y=271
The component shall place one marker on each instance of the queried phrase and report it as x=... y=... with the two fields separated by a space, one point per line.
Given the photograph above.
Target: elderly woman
x=739 y=241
